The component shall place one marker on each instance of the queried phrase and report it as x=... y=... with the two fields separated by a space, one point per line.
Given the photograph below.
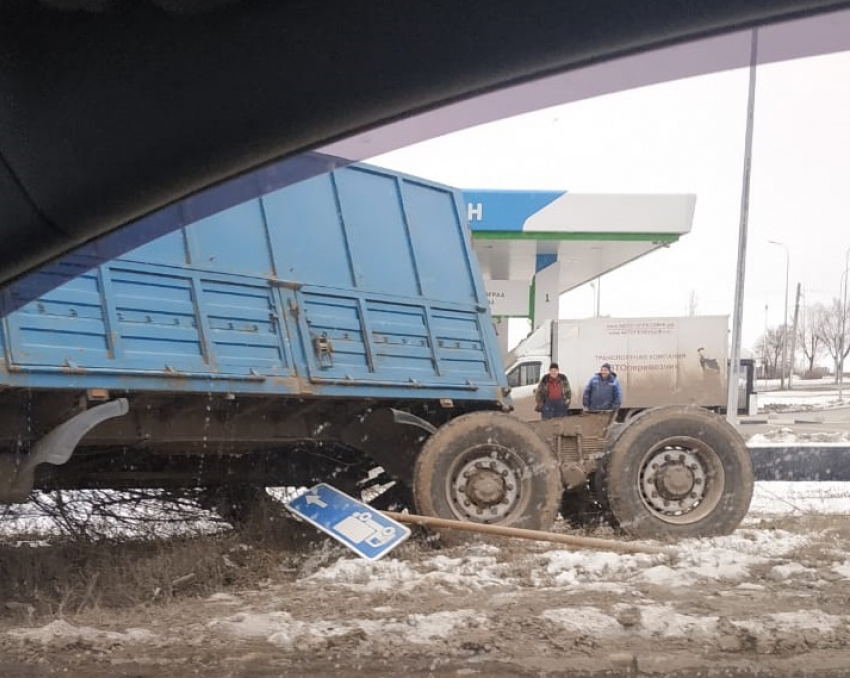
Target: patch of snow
x=223 y=598
x=843 y=569
x=424 y=628
x=470 y=572
x=662 y=575
x=800 y=498
x=664 y=621
x=589 y=621
x=748 y=586
x=282 y=629
x=793 y=621
x=253 y=624
x=786 y=436
x=607 y=587
x=374 y=576
x=574 y=568
x=788 y=570
x=60 y=630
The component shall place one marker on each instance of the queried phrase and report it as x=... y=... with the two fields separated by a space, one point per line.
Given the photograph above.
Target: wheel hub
x=673 y=481
x=485 y=489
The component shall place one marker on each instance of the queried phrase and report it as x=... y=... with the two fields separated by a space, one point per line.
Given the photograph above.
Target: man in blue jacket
x=603 y=391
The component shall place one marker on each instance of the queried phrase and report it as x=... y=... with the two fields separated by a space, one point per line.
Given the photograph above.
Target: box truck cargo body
x=657 y=360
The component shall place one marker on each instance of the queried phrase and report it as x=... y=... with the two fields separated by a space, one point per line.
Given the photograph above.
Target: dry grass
x=70 y=576
x=76 y=567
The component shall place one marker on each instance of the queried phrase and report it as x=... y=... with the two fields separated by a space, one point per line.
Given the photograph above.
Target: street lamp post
x=595 y=285
x=785 y=327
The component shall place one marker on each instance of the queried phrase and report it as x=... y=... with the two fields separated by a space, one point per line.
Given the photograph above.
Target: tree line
x=823 y=332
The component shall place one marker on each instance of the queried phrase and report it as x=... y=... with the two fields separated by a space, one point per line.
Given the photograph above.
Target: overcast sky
x=688 y=137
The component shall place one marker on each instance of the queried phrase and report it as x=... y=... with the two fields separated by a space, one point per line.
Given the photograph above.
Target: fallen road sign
x=367 y=532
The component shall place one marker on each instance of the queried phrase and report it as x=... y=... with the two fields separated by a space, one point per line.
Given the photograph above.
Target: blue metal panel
x=460 y=344
x=306 y=234
x=439 y=242
x=338 y=320
x=167 y=249
x=64 y=327
x=233 y=241
x=376 y=230
x=157 y=319
x=243 y=324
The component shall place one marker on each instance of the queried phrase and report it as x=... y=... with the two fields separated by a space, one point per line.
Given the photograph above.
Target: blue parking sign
x=367 y=532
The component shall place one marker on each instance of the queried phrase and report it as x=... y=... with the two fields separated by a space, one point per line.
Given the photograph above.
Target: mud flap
x=17 y=474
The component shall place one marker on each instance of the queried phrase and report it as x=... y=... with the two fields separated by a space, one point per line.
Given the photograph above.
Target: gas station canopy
x=559 y=241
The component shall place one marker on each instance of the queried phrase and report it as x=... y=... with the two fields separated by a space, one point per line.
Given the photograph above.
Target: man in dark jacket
x=553 y=394
x=603 y=391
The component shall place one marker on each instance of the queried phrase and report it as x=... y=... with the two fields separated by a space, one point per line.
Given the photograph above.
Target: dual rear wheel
x=670 y=473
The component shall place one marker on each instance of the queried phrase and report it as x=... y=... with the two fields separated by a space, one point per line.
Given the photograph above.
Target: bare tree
x=832 y=330
x=769 y=350
x=808 y=337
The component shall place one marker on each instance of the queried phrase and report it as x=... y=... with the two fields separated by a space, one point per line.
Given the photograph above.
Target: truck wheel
x=488 y=467
x=677 y=472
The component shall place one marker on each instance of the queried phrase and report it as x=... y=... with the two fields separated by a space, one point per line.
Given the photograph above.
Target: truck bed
x=358 y=282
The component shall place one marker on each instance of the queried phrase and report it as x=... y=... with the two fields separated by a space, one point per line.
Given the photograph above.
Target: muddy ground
x=772 y=599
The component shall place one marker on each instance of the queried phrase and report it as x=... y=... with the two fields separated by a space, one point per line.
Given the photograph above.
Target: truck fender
x=408 y=419
x=392 y=438
x=55 y=448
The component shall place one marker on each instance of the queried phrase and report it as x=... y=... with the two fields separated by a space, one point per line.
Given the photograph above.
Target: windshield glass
x=230 y=422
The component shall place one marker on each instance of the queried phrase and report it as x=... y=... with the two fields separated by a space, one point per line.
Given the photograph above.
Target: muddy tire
x=674 y=473
x=487 y=467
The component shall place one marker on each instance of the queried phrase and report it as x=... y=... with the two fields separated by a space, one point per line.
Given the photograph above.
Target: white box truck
x=658 y=361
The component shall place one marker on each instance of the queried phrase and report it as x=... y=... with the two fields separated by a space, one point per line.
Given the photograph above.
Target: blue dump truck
x=319 y=331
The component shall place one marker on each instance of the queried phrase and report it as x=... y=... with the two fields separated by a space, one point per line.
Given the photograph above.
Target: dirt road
x=773 y=598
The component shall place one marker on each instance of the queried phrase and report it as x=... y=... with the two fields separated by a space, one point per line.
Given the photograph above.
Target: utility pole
x=738 y=317
x=794 y=334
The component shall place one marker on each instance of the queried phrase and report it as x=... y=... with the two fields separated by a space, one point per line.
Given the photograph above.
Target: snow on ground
x=800 y=498
x=68 y=633
x=765 y=589
x=803 y=396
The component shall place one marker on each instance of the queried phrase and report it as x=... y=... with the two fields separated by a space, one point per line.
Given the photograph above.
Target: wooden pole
x=534 y=535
